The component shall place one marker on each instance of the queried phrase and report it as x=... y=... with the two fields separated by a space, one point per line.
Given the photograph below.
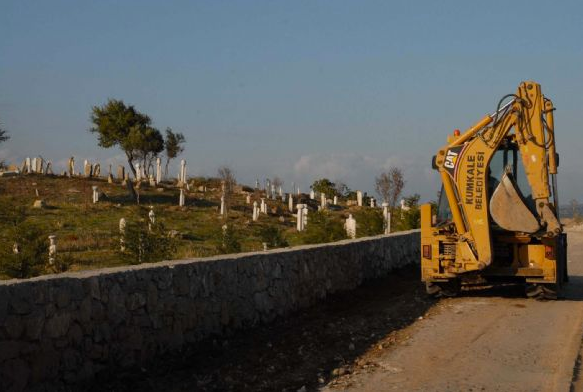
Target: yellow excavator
x=497 y=215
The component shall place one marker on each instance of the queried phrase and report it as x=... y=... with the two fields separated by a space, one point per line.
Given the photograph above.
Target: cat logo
x=450 y=159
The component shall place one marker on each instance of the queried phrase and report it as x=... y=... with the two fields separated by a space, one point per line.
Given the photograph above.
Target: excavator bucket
x=508 y=209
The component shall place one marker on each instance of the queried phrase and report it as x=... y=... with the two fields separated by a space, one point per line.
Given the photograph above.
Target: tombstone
x=138 y=172
x=87 y=168
x=404 y=206
x=323 y=200
x=255 y=211
x=126 y=179
x=222 y=204
x=290 y=203
x=71 y=166
x=95 y=194
x=350 y=227
x=181 y=199
x=122 y=234
x=152 y=180
x=299 y=192
x=158 y=170
x=96 y=171
x=49 y=169
x=39 y=166
x=248 y=199
x=372 y=202
x=27 y=165
x=110 y=178
x=52 y=249
x=305 y=219
x=267 y=186
x=263 y=206
x=312 y=194
x=335 y=200
x=273 y=191
x=386 y=218
x=151 y=218
x=182 y=178
x=121 y=172
x=33 y=164
x=359 y=198
x=300 y=218
x=15 y=248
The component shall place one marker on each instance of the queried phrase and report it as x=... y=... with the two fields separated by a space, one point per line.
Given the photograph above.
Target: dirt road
x=388 y=335
x=490 y=341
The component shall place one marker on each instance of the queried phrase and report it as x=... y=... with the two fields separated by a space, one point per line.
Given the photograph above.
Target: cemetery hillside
x=87 y=219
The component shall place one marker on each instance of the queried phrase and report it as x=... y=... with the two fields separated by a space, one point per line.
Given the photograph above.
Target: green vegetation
x=88 y=237
x=323 y=226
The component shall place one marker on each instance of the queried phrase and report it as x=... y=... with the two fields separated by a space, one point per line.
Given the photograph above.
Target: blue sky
x=295 y=89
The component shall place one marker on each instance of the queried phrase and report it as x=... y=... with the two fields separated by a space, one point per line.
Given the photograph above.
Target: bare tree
x=228 y=183
x=276 y=182
x=390 y=184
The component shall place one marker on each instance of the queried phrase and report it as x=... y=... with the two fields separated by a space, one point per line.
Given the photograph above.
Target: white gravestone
x=290 y=203
x=248 y=199
x=52 y=249
x=312 y=194
x=335 y=200
x=151 y=218
x=263 y=206
x=359 y=198
x=372 y=202
x=158 y=170
x=95 y=194
x=323 y=201
x=223 y=205
x=300 y=218
x=122 y=234
x=350 y=227
x=255 y=211
x=181 y=199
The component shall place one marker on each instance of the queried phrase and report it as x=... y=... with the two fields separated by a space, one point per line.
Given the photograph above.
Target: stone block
x=58 y=325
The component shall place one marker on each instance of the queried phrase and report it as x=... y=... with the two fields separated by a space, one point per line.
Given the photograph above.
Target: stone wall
x=64 y=328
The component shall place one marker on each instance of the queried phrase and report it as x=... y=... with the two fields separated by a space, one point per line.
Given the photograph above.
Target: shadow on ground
x=307 y=349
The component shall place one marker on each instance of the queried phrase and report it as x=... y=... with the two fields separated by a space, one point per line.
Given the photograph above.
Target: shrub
x=272 y=236
x=146 y=243
x=369 y=221
x=32 y=256
x=322 y=227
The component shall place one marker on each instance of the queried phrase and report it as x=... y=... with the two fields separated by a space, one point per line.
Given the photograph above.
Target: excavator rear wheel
x=450 y=288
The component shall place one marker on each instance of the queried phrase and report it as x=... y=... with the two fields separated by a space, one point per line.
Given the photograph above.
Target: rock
x=58 y=325
x=39 y=204
x=351 y=346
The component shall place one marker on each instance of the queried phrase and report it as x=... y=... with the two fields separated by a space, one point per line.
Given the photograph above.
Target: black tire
x=450 y=288
x=543 y=292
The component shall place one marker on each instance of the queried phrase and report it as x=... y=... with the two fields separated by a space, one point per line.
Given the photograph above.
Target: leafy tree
x=147 y=143
x=342 y=189
x=114 y=122
x=325 y=186
x=389 y=185
x=369 y=221
x=174 y=145
x=323 y=227
x=3 y=135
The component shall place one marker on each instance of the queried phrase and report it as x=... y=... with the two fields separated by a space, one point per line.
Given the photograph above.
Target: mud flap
x=508 y=209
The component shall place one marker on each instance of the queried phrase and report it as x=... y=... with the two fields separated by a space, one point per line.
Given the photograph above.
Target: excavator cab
x=497 y=214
